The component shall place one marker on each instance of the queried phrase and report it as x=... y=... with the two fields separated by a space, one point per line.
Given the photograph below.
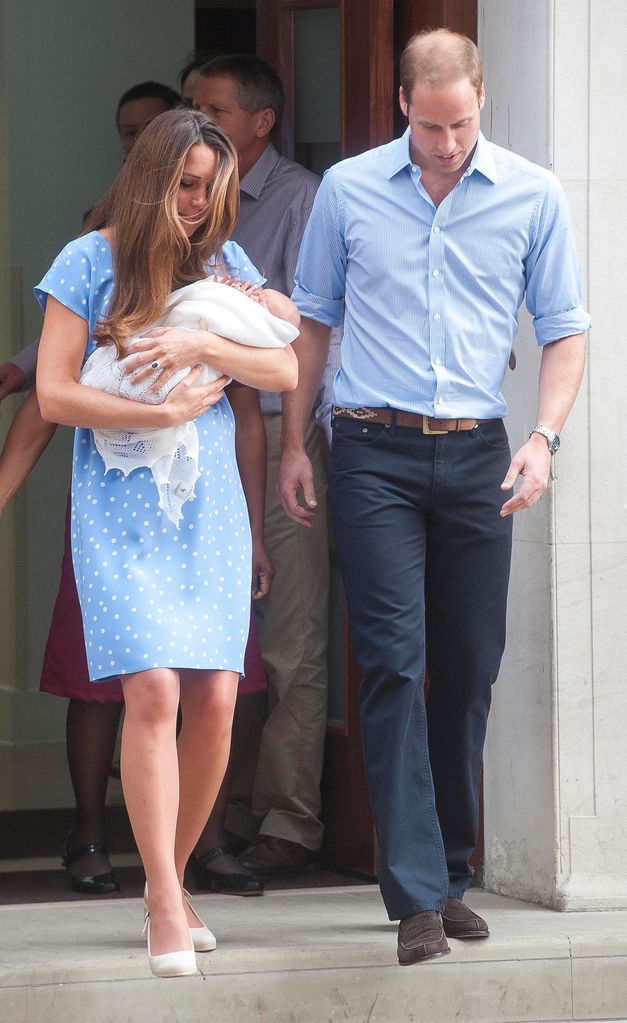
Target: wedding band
x=154 y=365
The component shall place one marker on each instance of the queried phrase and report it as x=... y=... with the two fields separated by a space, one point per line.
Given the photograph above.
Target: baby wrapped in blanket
x=171 y=453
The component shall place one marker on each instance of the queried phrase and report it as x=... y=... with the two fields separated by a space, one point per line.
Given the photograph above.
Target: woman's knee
x=211 y=700
x=152 y=697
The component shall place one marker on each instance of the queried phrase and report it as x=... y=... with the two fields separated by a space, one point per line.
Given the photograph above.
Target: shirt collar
x=253 y=181
x=399 y=154
x=482 y=158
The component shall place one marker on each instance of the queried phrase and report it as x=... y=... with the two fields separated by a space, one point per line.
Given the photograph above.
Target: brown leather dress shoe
x=460 y=922
x=273 y=858
x=421 y=937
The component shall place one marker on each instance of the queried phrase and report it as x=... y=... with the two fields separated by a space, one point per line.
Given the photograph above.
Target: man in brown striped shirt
x=244 y=95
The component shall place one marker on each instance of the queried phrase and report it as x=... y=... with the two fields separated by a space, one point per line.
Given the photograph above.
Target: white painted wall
x=516 y=795
x=555 y=790
x=64 y=66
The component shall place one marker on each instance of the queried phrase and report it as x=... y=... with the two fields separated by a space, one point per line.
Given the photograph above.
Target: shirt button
x=438 y=362
x=436 y=316
x=440 y=401
x=413 y=169
x=436 y=230
x=436 y=273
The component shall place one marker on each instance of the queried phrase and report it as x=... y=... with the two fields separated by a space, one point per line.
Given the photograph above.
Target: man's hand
x=533 y=463
x=295 y=476
x=263 y=571
x=11 y=379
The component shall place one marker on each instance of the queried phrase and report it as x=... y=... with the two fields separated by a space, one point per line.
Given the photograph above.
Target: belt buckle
x=426 y=429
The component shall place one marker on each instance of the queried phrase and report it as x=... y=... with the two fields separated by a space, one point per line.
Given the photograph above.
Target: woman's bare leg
x=150 y=779
x=207 y=703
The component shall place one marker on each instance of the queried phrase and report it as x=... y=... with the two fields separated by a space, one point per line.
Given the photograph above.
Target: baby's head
x=276 y=303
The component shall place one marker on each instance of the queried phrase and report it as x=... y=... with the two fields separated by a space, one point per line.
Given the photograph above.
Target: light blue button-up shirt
x=431 y=294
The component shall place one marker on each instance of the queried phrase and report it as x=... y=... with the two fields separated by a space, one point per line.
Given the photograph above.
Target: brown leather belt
x=389 y=416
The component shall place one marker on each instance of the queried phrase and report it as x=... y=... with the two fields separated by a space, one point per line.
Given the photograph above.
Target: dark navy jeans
x=425 y=559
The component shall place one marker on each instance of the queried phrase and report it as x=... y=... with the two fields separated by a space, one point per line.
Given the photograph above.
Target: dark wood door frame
x=415 y=15
x=366 y=45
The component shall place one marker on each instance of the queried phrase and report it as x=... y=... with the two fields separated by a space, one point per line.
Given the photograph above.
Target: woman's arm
x=62 y=399
x=28 y=436
x=251 y=452
x=266 y=369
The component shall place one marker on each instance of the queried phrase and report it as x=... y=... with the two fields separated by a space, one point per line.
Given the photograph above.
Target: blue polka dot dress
x=152 y=595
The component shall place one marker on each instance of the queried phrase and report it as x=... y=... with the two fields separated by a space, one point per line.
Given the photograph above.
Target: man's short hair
x=257 y=86
x=438 y=57
x=150 y=90
x=195 y=62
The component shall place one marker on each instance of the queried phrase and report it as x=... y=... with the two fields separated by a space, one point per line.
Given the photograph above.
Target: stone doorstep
x=310 y=957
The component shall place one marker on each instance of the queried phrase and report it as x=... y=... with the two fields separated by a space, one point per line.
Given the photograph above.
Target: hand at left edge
x=263 y=571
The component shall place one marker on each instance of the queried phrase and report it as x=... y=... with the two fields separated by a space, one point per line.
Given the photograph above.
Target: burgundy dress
x=64 y=671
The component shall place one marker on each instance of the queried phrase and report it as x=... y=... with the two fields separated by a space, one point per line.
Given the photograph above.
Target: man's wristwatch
x=552 y=438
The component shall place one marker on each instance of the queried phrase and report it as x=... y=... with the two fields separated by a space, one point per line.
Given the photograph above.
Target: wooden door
x=352 y=46
x=346 y=87
x=362 y=33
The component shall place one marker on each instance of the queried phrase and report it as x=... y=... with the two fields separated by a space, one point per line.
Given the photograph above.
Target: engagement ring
x=154 y=365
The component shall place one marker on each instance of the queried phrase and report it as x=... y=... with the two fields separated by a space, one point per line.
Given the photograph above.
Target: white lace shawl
x=171 y=453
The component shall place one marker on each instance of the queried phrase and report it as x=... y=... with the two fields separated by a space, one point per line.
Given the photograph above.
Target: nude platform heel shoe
x=170 y=964
x=203 y=939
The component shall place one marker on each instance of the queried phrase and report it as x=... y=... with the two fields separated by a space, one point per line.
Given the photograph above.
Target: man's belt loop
x=392 y=426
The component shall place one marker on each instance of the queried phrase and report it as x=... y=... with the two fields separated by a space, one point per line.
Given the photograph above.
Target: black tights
x=91 y=731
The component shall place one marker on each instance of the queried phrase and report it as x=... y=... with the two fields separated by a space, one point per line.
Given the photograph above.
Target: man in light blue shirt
x=429 y=245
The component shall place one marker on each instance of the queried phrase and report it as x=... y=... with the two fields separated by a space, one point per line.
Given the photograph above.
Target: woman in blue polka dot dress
x=165 y=609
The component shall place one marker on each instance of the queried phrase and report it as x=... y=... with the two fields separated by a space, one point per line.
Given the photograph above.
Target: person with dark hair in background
x=190 y=73
x=281 y=815
x=136 y=108
x=139 y=105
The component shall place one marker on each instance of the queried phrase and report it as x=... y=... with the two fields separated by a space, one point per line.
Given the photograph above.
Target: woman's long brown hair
x=152 y=255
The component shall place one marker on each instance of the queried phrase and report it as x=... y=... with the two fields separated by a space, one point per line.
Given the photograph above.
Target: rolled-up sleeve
x=321 y=268
x=26 y=360
x=552 y=274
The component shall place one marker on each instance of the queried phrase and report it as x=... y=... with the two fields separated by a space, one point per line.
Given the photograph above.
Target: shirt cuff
x=323 y=310
x=26 y=360
x=559 y=325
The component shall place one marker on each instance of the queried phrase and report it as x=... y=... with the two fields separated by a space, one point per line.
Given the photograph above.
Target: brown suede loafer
x=421 y=937
x=460 y=922
x=273 y=858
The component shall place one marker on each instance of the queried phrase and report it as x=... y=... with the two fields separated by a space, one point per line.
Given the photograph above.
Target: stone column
x=555 y=782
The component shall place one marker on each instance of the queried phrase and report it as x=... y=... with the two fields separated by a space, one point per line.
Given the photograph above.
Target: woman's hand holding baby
x=189 y=399
x=166 y=350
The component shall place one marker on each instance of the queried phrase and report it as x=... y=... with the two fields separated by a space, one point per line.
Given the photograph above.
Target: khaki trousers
x=284 y=800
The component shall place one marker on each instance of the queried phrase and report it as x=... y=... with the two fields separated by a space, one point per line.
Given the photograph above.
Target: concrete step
x=316 y=956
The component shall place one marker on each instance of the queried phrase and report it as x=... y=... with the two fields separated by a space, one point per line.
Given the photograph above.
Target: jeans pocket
x=493 y=435
x=358 y=431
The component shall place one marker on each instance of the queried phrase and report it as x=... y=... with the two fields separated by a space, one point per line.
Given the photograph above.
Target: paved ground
x=310 y=957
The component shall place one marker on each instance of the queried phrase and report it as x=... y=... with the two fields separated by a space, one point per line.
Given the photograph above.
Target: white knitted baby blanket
x=171 y=453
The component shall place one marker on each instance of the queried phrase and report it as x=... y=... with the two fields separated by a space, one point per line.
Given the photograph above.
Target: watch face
x=554 y=443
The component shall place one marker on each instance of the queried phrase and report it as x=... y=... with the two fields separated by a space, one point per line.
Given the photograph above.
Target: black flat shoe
x=96 y=884
x=239 y=882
